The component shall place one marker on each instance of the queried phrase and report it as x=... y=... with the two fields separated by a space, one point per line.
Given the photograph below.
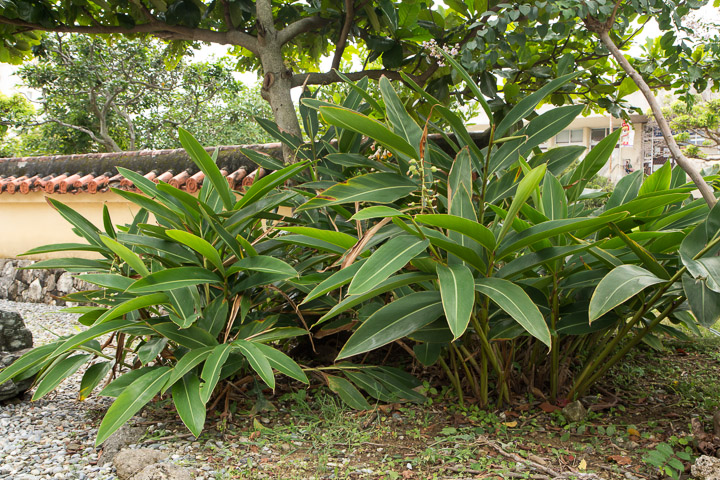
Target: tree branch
x=675 y=151
x=306 y=24
x=342 y=41
x=264 y=15
x=315 y=78
x=159 y=29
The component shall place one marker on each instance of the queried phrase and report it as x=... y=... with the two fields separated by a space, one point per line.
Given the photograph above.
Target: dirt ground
x=648 y=419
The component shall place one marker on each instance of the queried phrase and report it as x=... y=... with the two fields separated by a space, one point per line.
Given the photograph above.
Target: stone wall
x=37 y=286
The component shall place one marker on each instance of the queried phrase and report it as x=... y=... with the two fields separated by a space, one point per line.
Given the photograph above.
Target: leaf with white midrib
x=130 y=401
x=619 y=285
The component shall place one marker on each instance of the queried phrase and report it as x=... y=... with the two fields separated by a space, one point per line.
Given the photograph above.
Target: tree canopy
x=119 y=94
x=509 y=49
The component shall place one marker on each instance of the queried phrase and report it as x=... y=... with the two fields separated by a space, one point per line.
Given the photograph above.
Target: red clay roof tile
x=63 y=173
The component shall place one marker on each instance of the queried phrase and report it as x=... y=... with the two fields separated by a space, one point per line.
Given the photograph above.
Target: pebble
x=54 y=437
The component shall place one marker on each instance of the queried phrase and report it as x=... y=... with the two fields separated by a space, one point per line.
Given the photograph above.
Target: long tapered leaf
x=704 y=303
x=127 y=255
x=525 y=188
x=347 y=392
x=133 y=304
x=57 y=373
x=516 y=303
x=518 y=240
x=474 y=230
x=107 y=280
x=203 y=160
x=211 y=370
x=264 y=185
x=358 y=122
x=189 y=404
x=394 y=321
x=619 y=285
x=554 y=203
x=191 y=337
x=390 y=284
x=83 y=226
x=257 y=360
x=282 y=363
x=172 y=278
x=63 y=247
x=385 y=261
x=200 y=245
x=402 y=123
x=139 y=393
x=92 y=378
x=380 y=187
x=263 y=263
x=187 y=362
x=92 y=332
x=342 y=240
x=458 y=296
x=334 y=281
x=27 y=361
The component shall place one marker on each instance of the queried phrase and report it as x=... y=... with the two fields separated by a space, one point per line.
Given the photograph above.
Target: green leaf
x=191 y=337
x=189 y=405
x=257 y=360
x=282 y=363
x=92 y=378
x=516 y=303
x=342 y=240
x=107 y=280
x=704 y=303
x=401 y=122
x=390 y=284
x=132 y=305
x=139 y=393
x=120 y=384
x=200 y=245
x=394 y=321
x=626 y=189
x=29 y=360
x=172 y=278
x=148 y=351
x=458 y=297
x=525 y=188
x=527 y=105
x=474 y=230
x=619 y=285
x=70 y=264
x=658 y=181
x=203 y=160
x=379 y=211
x=83 y=226
x=380 y=187
x=262 y=186
x=427 y=353
x=554 y=202
x=531 y=260
x=214 y=316
x=518 y=240
x=57 y=373
x=334 y=281
x=347 y=392
x=63 y=247
x=156 y=208
x=263 y=263
x=92 y=332
x=590 y=165
x=385 y=261
x=356 y=122
x=186 y=363
x=211 y=370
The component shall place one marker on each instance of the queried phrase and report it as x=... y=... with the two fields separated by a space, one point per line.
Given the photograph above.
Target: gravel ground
x=54 y=437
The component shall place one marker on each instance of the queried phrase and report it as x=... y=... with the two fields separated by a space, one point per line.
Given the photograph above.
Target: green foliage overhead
x=123 y=94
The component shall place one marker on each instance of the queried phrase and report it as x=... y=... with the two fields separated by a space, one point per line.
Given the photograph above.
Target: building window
x=597 y=134
x=569 y=136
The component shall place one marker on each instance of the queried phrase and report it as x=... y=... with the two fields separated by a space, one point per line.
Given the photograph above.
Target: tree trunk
x=277 y=79
x=675 y=151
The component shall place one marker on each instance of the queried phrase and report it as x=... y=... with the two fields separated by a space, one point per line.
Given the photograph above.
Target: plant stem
x=555 y=359
x=453 y=379
x=468 y=373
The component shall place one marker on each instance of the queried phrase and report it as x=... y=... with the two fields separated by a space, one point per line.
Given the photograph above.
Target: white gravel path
x=54 y=437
